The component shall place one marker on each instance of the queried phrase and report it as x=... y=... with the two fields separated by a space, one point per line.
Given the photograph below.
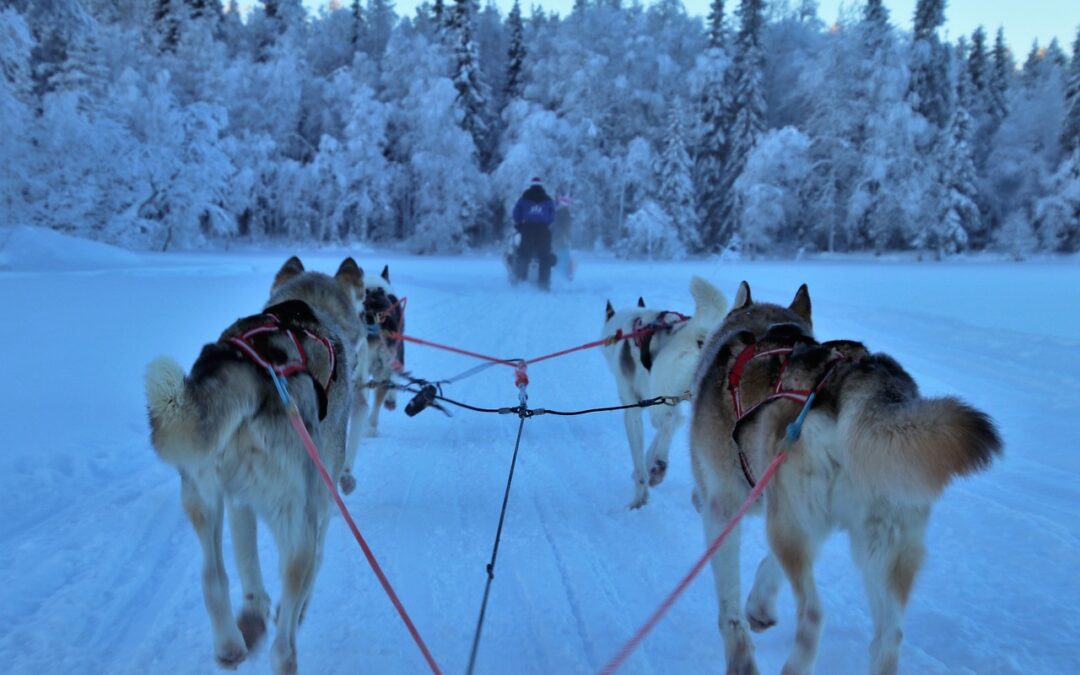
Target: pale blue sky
x=1023 y=20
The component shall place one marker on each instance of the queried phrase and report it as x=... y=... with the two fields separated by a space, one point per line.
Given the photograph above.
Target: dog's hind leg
x=255 y=610
x=207 y=517
x=665 y=420
x=889 y=552
x=356 y=429
x=738 y=648
x=795 y=550
x=635 y=432
x=378 y=398
x=761 y=605
x=297 y=532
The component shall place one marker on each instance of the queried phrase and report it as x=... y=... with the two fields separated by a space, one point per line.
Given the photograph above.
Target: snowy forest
x=760 y=130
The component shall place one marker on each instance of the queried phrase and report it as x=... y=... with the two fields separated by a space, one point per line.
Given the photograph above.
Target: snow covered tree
x=168 y=17
x=1001 y=69
x=472 y=95
x=717 y=29
x=515 y=77
x=929 y=64
x=958 y=218
x=16 y=173
x=650 y=234
x=748 y=106
x=1070 y=132
x=1057 y=215
x=676 y=193
x=358 y=33
x=711 y=146
x=978 y=68
x=378 y=27
x=770 y=193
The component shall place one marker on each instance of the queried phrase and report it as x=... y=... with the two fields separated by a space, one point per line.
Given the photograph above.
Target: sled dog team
x=872 y=457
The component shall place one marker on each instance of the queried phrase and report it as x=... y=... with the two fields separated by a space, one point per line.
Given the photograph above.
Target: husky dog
x=872 y=457
x=227 y=433
x=384 y=316
x=659 y=361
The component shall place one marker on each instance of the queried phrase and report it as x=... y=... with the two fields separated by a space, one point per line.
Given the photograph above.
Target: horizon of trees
x=758 y=131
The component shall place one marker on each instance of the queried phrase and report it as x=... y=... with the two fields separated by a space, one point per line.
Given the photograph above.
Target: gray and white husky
x=872 y=457
x=658 y=363
x=227 y=433
x=384 y=316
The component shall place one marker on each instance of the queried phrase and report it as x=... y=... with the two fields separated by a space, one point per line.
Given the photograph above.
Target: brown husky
x=227 y=433
x=871 y=458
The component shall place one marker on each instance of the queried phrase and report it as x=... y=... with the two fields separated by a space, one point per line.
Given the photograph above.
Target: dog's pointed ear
x=640 y=301
x=290 y=269
x=801 y=304
x=386 y=273
x=742 y=297
x=609 y=311
x=350 y=274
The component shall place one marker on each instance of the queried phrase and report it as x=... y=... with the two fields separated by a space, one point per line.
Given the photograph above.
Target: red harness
x=291 y=367
x=797 y=395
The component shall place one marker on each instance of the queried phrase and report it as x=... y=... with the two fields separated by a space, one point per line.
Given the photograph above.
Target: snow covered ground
x=100 y=570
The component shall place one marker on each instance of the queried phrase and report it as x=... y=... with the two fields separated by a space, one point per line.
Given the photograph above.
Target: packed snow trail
x=101 y=569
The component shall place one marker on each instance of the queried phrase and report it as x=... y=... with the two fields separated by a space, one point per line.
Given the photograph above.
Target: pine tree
x=929 y=64
x=715 y=108
x=716 y=24
x=999 y=79
x=515 y=84
x=379 y=25
x=1070 y=132
x=1032 y=70
x=1057 y=215
x=357 y=35
x=466 y=76
x=167 y=23
x=748 y=105
x=959 y=219
x=676 y=194
x=83 y=73
x=978 y=67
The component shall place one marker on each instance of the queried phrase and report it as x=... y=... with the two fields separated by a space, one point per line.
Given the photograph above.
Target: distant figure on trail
x=560 y=236
x=533 y=215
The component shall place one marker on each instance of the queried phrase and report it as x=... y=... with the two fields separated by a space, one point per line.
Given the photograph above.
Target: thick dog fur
x=381 y=308
x=227 y=433
x=872 y=457
x=671 y=358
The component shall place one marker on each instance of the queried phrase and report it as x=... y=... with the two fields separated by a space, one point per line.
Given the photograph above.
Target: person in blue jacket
x=533 y=215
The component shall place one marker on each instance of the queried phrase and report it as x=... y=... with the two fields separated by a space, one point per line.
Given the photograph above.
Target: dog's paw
x=657 y=471
x=252 y=625
x=230 y=654
x=760 y=619
x=371 y=431
x=390 y=403
x=348 y=483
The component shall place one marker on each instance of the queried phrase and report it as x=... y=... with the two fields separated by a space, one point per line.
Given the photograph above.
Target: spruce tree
x=748 y=106
x=515 y=78
x=1070 y=131
x=715 y=108
x=676 y=194
x=167 y=23
x=978 y=68
x=716 y=24
x=959 y=220
x=471 y=95
x=999 y=79
x=1032 y=70
x=929 y=85
x=357 y=36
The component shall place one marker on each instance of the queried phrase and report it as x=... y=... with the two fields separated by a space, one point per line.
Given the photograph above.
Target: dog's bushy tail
x=191 y=421
x=708 y=299
x=912 y=450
